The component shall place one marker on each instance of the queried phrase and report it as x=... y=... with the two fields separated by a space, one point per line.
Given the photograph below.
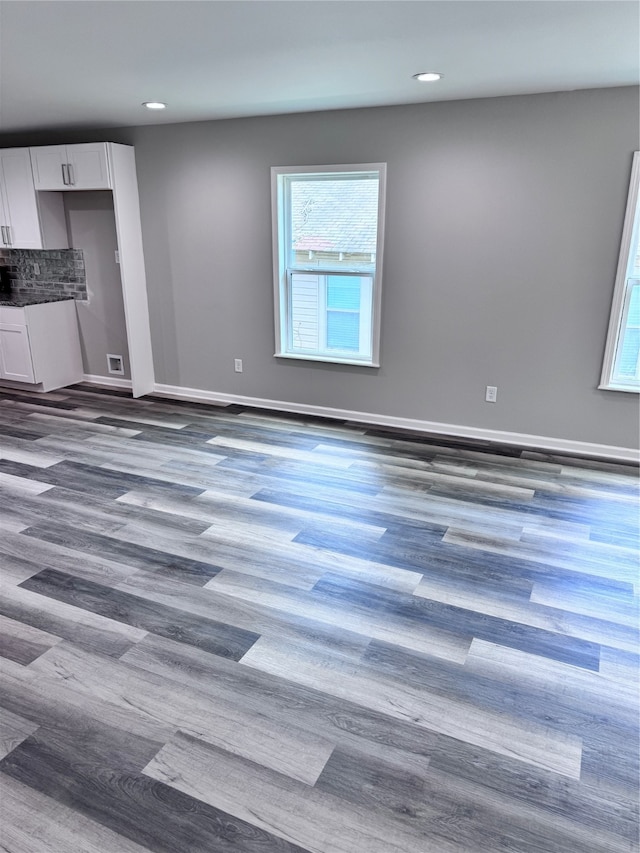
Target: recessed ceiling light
x=427 y=76
x=154 y=105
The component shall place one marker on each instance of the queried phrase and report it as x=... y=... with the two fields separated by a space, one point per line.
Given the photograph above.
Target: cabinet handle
x=70 y=174
x=8 y=227
x=63 y=166
x=3 y=232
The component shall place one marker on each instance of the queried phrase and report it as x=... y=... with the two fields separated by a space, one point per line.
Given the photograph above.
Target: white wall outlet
x=492 y=394
x=237 y=365
x=117 y=254
x=36 y=269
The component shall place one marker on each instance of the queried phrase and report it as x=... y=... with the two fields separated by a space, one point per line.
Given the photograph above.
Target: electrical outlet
x=117 y=254
x=237 y=365
x=492 y=394
x=36 y=269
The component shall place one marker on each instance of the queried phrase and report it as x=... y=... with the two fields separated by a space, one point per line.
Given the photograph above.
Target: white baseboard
x=537 y=442
x=109 y=381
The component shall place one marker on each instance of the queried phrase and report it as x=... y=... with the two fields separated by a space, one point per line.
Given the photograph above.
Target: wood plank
x=149 y=814
x=528 y=742
x=304 y=816
x=418 y=611
x=35 y=823
x=128 y=553
x=215 y=604
x=122 y=607
x=23 y=643
x=440 y=806
x=64 y=620
x=13 y=730
x=161 y=702
x=352 y=616
x=536 y=614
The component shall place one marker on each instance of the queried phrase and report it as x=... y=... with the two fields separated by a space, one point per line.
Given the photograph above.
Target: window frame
x=281 y=237
x=620 y=304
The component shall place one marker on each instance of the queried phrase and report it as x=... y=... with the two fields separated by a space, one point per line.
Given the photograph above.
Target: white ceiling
x=90 y=63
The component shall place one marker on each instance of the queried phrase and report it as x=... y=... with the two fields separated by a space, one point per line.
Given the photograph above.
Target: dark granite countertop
x=20 y=300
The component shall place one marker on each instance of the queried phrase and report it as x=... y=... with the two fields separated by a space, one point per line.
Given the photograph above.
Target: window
x=621 y=370
x=327 y=235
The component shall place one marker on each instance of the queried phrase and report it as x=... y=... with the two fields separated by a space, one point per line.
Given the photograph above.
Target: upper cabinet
x=27 y=221
x=71 y=167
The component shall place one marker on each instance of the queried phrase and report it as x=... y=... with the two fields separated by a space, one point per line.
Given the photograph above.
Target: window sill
x=612 y=387
x=323 y=359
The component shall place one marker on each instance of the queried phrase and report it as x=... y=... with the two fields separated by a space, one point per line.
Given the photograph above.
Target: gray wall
x=92 y=228
x=503 y=226
x=504 y=218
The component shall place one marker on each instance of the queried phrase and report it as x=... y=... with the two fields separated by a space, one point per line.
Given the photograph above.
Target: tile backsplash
x=46 y=273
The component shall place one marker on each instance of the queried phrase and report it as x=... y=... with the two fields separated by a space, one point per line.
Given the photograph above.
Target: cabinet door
x=88 y=168
x=47 y=162
x=15 y=353
x=21 y=222
x=71 y=167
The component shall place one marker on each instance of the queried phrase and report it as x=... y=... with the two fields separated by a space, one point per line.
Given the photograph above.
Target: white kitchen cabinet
x=40 y=345
x=71 y=167
x=96 y=166
x=15 y=353
x=27 y=220
x=126 y=207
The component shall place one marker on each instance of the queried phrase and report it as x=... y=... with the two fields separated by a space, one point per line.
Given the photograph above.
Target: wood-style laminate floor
x=233 y=631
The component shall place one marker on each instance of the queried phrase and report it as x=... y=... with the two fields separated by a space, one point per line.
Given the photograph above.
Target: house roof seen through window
x=335 y=216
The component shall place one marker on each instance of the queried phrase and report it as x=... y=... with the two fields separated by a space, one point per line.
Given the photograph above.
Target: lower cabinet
x=40 y=345
x=15 y=353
